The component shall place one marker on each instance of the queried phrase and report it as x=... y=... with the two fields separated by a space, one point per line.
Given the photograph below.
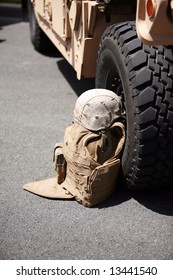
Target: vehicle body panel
x=157 y=28
x=75 y=27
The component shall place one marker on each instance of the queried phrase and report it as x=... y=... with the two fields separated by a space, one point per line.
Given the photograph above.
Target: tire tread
x=151 y=80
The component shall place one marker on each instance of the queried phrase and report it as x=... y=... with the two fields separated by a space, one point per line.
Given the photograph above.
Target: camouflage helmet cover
x=97 y=109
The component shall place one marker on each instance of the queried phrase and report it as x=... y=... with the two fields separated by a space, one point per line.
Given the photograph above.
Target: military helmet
x=97 y=109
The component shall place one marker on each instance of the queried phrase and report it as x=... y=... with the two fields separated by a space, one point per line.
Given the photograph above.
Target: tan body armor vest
x=88 y=162
x=91 y=162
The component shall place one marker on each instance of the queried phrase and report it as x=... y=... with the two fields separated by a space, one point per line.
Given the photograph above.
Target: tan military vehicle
x=99 y=39
x=154 y=22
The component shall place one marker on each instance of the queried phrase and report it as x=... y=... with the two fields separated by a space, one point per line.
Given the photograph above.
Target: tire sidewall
x=111 y=57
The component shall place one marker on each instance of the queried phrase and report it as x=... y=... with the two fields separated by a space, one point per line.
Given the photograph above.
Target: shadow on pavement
x=2 y=40
x=160 y=201
x=121 y=195
x=4 y=21
x=79 y=86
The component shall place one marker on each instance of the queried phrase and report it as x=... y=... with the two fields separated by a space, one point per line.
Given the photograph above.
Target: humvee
x=127 y=47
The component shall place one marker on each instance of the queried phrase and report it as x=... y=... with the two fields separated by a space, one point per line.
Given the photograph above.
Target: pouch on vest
x=59 y=163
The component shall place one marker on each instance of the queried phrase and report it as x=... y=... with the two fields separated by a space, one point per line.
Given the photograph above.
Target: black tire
x=39 y=39
x=143 y=76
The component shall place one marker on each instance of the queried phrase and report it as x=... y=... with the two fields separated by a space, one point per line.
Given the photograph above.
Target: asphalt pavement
x=37 y=97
